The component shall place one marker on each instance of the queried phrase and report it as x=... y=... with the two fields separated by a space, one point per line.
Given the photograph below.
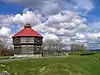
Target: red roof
x=27 y=32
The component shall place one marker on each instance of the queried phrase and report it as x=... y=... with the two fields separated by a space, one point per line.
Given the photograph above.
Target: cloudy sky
x=72 y=21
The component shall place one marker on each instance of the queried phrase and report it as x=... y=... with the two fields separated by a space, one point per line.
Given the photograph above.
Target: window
x=16 y=40
x=27 y=40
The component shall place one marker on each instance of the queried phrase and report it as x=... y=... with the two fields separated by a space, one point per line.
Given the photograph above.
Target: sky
x=71 y=21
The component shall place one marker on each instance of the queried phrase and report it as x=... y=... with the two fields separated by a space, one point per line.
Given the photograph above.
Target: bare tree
x=1 y=47
x=53 y=46
x=77 y=47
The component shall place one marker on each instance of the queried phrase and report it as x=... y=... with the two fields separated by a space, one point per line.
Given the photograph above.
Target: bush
x=82 y=53
x=87 y=53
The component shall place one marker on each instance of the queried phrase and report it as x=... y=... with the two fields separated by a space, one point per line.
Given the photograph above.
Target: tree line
x=53 y=46
x=4 y=51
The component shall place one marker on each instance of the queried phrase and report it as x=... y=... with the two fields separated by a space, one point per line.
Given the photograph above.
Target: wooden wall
x=27 y=39
x=27 y=45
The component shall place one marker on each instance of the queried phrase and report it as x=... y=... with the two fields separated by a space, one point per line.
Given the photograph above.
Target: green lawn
x=4 y=57
x=74 y=65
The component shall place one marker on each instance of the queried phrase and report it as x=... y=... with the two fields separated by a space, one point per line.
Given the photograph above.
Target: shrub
x=82 y=53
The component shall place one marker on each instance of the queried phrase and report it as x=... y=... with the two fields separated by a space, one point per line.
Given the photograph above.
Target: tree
x=77 y=48
x=1 y=47
x=11 y=51
x=82 y=49
x=53 y=46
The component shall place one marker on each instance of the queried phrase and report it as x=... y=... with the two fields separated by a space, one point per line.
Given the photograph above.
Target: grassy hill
x=73 y=65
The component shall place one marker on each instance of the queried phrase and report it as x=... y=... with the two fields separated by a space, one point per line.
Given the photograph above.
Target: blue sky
x=10 y=8
x=95 y=13
x=13 y=14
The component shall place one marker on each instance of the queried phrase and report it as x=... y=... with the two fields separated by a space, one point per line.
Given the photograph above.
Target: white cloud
x=18 y=19
x=63 y=18
x=80 y=36
x=5 y=31
x=84 y=4
x=93 y=35
x=49 y=7
x=81 y=27
x=42 y=28
x=28 y=17
x=62 y=26
x=65 y=24
x=58 y=18
x=7 y=20
x=90 y=40
x=48 y=36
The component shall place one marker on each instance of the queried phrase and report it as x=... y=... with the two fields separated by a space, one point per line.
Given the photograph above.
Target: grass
x=4 y=57
x=73 y=65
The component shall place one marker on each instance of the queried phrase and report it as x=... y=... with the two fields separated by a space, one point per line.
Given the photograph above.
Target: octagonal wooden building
x=27 y=41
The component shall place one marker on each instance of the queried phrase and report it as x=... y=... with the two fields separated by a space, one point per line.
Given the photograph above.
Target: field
x=73 y=65
x=4 y=57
